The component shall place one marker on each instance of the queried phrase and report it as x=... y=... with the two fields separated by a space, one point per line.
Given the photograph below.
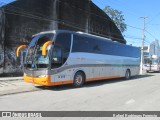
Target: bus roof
x=79 y=33
x=67 y=31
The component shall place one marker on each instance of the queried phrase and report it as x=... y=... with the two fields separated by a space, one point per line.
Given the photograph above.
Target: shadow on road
x=56 y=88
x=141 y=76
x=153 y=72
x=94 y=83
x=116 y=80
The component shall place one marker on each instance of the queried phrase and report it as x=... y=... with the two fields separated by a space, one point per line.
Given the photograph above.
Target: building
x=23 y=18
x=152 y=57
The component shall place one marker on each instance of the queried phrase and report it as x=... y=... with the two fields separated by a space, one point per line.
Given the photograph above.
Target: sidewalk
x=10 y=78
x=14 y=85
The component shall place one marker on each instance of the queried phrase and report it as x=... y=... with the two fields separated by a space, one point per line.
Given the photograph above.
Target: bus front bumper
x=45 y=81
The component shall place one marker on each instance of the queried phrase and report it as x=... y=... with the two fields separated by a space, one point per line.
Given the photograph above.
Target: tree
x=117 y=17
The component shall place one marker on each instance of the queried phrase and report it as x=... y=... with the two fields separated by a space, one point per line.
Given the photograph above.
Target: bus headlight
x=42 y=76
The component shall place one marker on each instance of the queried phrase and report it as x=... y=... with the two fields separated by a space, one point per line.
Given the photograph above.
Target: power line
x=134 y=27
x=127 y=25
x=153 y=18
x=37 y=17
x=151 y=34
x=134 y=37
x=153 y=24
x=102 y=3
x=115 y=2
x=28 y=14
x=89 y=12
x=63 y=22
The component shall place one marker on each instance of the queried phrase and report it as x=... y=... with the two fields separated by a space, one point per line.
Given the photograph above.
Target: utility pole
x=142 y=47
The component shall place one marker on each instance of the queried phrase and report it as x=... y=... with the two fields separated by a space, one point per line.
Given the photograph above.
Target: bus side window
x=56 y=57
x=63 y=41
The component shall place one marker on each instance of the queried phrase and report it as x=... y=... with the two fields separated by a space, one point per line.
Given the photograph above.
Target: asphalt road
x=141 y=93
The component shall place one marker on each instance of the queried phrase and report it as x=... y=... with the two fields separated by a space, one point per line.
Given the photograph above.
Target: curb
x=11 y=78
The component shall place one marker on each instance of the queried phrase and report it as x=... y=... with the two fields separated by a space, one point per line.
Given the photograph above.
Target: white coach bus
x=65 y=57
x=152 y=64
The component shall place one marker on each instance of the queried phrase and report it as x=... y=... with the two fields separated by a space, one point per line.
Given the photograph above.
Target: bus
x=66 y=57
x=152 y=64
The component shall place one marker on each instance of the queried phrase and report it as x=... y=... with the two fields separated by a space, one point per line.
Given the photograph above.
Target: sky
x=133 y=10
x=2 y=2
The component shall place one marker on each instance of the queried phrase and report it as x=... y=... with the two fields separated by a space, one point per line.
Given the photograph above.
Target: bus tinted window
x=80 y=45
x=61 y=49
x=85 y=44
x=103 y=46
x=118 y=49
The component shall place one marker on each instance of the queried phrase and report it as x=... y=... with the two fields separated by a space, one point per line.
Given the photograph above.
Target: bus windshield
x=34 y=57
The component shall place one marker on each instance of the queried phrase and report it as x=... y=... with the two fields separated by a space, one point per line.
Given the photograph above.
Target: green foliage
x=117 y=17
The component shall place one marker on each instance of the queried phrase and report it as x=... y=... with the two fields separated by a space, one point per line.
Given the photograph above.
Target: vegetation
x=117 y=17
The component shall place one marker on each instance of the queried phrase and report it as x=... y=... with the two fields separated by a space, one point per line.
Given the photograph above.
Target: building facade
x=21 y=19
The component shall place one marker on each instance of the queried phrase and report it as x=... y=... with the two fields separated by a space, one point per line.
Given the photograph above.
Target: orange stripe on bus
x=102 y=78
x=63 y=82
x=46 y=81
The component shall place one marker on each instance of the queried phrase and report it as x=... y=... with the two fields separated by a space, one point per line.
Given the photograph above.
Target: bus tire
x=127 y=74
x=79 y=79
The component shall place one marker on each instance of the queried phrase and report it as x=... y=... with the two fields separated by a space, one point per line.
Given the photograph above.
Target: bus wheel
x=78 y=79
x=127 y=75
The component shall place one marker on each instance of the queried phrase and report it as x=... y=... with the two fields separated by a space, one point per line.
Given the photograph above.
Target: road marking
x=130 y=101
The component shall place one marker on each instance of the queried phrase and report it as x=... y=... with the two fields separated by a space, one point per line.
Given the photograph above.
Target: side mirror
x=19 y=48
x=44 y=47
